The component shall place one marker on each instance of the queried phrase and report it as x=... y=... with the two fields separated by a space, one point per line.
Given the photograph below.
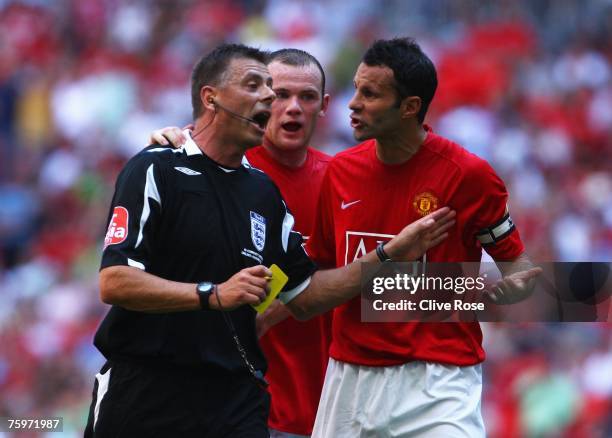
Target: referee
x=190 y=233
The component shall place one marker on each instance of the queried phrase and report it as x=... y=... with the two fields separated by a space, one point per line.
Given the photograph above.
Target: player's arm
x=494 y=228
x=330 y=288
x=169 y=136
x=277 y=312
x=518 y=280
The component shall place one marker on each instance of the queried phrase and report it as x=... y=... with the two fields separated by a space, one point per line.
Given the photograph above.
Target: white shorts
x=417 y=399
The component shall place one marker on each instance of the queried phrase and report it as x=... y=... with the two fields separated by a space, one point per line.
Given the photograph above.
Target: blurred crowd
x=524 y=84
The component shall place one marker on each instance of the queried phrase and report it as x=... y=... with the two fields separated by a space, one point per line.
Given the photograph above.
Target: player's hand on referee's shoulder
x=419 y=236
x=248 y=286
x=169 y=136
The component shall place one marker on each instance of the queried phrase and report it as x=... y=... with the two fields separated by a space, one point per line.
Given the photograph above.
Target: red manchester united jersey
x=297 y=352
x=364 y=201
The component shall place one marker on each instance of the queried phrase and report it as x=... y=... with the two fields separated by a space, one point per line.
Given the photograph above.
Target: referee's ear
x=410 y=107
x=207 y=96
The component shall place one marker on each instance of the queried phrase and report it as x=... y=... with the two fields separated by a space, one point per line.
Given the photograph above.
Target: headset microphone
x=232 y=113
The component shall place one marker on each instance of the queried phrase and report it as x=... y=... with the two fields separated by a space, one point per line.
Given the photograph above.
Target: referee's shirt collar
x=191 y=148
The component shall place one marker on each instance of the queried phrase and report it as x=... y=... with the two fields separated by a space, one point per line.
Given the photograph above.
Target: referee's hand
x=248 y=286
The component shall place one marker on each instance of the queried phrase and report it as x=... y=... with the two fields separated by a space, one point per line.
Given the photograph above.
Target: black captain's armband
x=491 y=235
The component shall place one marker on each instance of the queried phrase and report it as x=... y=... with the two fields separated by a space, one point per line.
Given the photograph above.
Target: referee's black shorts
x=136 y=400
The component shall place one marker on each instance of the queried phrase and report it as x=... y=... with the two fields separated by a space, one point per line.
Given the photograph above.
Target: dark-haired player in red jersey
x=297 y=352
x=407 y=379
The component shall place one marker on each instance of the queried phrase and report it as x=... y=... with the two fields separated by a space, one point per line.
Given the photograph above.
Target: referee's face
x=244 y=102
x=374 y=109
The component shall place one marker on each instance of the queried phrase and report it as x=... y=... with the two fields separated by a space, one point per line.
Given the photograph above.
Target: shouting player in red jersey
x=297 y=352
x=407 y=379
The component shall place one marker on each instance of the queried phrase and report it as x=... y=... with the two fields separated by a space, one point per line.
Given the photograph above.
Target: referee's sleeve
x=293 y=261
x=134 y=214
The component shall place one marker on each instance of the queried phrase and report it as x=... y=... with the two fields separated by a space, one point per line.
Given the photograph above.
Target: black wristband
x=380 y=252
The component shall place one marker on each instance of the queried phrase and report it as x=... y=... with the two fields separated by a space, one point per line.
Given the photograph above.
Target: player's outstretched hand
x=248 y=286
x=274 y=314
x=170 y=135
x=419 y=236
x=515 y=287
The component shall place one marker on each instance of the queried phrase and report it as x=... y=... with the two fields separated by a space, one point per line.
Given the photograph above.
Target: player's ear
x=207 y=95
x=324 y=105
x=410 y=106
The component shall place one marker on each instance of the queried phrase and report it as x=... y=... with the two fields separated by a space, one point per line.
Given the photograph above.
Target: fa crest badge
x=258 y=230
x=425 y=203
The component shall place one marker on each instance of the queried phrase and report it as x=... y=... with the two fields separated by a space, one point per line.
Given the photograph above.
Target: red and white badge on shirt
x=118 y=227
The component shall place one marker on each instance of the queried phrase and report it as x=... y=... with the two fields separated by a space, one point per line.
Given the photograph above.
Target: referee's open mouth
x=261 y=119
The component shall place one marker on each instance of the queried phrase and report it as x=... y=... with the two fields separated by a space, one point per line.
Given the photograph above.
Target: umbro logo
x=188 y=171
x=344 y=206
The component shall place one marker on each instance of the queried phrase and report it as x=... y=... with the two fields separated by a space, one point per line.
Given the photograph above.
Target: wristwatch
x=205 y=289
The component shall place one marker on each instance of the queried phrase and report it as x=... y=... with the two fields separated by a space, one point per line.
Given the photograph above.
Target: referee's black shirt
x=179 y=215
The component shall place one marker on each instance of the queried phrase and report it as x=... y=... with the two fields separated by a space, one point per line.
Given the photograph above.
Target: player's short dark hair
x=414 y=73
x=211 y=69
x=298 y=58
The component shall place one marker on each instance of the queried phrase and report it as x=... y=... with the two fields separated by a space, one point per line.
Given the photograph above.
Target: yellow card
x=277 y=282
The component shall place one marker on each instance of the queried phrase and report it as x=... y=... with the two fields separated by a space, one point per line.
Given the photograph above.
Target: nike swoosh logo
x=344 y=206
